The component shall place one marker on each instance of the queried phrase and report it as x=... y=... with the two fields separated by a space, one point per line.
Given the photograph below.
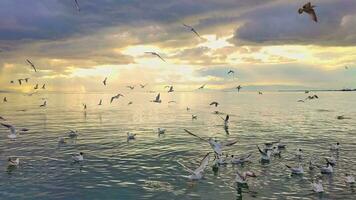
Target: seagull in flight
x=44 y=104
x=158 y=98
x=32 y=65
x=131 y=87
x=116 y=97
x=309 y=9
x=4 y=100
x=193 y=30
x=100 y=102
x=77 y=5
x=202 y=87
x=214 y=144
x=170 y=89
x=214 y=103
x=36 y=87
x=143 y=86
x=238 y=88
x=20 y=81
x=156 y=54
x=226 y=120
x=84 y=106
x=231 y=72
x=13 y=133
x=198 y=172
x=104 y=81
x=43 y=86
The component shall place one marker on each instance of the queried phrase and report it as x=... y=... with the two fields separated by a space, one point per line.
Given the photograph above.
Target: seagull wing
x=158 y=96
x=77 y=5
x=187 y=26
x=203 y=163
x=11 y=127
x=196 y=33
x=262 y=152
x=190 y=133
x=32 y=65
x=160 y=57
x=313 y=15
x=229 y=143
x=186 y=168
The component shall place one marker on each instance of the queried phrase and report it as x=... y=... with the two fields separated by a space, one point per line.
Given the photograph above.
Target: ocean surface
x=147 y=167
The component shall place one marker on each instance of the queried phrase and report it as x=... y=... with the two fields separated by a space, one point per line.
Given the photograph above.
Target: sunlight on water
x=146 y=168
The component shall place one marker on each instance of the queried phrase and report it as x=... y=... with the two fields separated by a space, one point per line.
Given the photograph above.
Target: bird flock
x=218 y=156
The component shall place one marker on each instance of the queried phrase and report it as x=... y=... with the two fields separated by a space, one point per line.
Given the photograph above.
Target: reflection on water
x=146 y=168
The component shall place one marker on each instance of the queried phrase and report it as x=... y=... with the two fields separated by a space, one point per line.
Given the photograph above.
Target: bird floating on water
x=240 y=159
x=241 y=178
x=350 y=179
x=335 y=147
x=73 y=133
x=78 y=157
x=317 y=186
x=194 y=117
x=130 y=136
x=296 y=170
x=13 y=161
x=161 y=131
x=265 y=154
x=309 y=9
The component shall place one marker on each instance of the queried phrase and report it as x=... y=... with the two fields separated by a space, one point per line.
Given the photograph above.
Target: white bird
x=331 y=160
x=350 y=179
x=240 y=160
x=296 y=170
x=214 y=144
x=198 y=172
x=328 y=169
x=116 y=97
x=130 y=136
x=78 y=157
x=265 y=154
x=73 y=133
x=13 y=161
x=276 y=151
x=335 y=147
x=161 y=131
x=242 y=178
x=158 y=98
x=13 y=133
x=156 y=54
x=318 y=186
x=193 y=30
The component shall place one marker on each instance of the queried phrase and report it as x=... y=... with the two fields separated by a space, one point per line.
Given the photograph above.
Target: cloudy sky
x=266 y=42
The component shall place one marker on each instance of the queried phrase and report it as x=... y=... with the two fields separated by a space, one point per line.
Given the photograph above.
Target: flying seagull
x=84 y=106
x=156 y=54
x=12 y=129
x=214 y=103
x=104 y=81
x=309 y=9
x=143 y=86
x=32 y=65
x=198 y=172
x=77 y=5
x=158 y=98
x=131 y=87
x=170 y=89
x=43 y=86
x=36 y=87
x=231 y=72
x=44 y=104
x=20 y=81
x=4 y=100
x=201 y=87
x=215 y=145
x=100 y=102
x=116 y=97
x=238 y=88
x=193 y=30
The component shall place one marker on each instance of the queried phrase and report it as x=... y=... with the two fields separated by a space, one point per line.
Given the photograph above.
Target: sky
x=266 y=42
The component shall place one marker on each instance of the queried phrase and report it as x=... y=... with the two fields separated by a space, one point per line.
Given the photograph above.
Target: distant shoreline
x=342 y=90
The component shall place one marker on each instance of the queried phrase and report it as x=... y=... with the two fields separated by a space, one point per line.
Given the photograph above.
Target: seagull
x=130 y=136
x=335 y=147
x=156 y=54
x=143 y=86
x=240 y=160
x=12 y=82
x=32 y=65
x=276 y=152
x=194 y=117
x=13 y=161
x=161 y=131
x=350 y=179
x=100 y=102
x=238 y=88
x=84 y=106
x=331 y=160
x=26 y=79
x=214 y=103
x=61 y=140
x=158 y=99
x=73 y=133
x=198 y=172
x=318 y=186
x=116 y=97
x=341 y=117
x=328 y=169
x=299 y=153
x=201 y=87
x=346 y=67
x=104 y=81
x=131 y=87
x=20 y=81
x=309 y=9
x=170 y=89
x=77 y=5
x=43 y=86
x=296 y=170
x=231 y=72
x=311 y=164
x=12 y=129
x=129 y=103
x=226 y=121
x=280 y=145
x=36 y=87
x=265 y=154
x=78 y=157
x=193 y=30
x=260 y=93
x=214 y=144
x=187 y=108
x=44 y=104
x=242 y=178
x=4 y=100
